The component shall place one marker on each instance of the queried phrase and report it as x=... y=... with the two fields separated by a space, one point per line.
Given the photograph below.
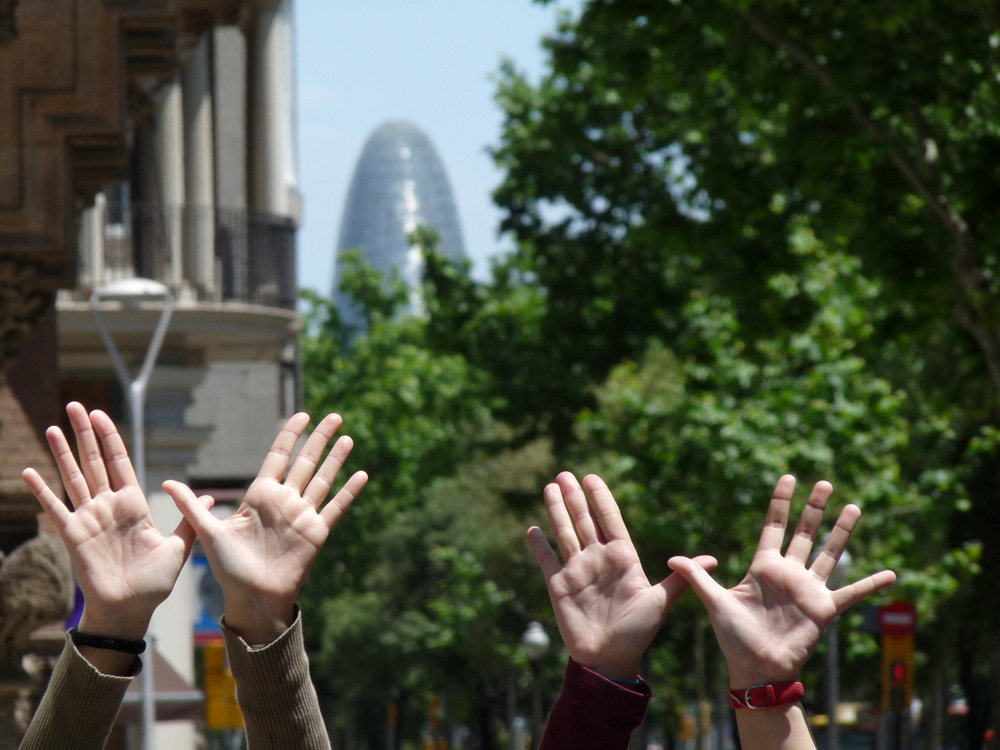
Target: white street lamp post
x=131 y=293
x=536 y=644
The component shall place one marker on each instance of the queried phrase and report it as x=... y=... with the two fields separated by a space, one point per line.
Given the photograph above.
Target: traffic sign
x=897 y=618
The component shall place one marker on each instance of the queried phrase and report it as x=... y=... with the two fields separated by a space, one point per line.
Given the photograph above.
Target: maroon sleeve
x=594 y=712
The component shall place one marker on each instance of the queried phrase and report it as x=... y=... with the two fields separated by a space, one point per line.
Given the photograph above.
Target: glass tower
x=399 y=184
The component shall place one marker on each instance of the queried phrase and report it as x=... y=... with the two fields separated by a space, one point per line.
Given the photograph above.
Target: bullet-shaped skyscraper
x=399 y=184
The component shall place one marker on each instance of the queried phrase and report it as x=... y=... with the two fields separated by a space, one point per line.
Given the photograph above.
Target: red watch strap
x=767 y=696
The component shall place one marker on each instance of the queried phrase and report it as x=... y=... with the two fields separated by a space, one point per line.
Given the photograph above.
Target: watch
x=766 y=696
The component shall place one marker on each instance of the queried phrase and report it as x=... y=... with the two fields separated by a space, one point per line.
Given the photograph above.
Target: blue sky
x=361 y=62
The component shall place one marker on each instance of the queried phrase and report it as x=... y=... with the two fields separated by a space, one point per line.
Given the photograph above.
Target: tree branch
x=974 y=306
x=950 y=218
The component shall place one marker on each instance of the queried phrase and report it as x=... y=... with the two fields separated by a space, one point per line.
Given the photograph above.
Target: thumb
x=194 y=509
x=676 y=584
x=696 y=574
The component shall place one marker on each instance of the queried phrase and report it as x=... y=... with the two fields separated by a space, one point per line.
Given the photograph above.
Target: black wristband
x=107 y=642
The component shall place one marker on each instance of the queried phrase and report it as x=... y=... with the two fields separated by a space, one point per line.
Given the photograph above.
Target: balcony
x=203 y=254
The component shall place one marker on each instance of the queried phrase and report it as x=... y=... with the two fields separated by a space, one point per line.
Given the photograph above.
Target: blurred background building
x=399 y=184
x=146 y=138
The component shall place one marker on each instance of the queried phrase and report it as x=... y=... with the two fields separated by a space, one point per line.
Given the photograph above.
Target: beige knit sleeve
x=275 y=692
x=79 y=706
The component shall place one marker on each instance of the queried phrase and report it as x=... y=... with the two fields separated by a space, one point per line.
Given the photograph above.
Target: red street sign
x=897 y=618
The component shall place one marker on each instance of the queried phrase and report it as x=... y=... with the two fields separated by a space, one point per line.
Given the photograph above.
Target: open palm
x=769 y=624
x=607 y=610
x=125 y=567
x=262 y=554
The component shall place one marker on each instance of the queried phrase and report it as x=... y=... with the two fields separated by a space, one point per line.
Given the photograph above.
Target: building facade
x=153 y=139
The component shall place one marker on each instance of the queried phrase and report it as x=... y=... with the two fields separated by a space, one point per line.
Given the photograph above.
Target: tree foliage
x=426 y=585
x=751 y=238
x=677 y=151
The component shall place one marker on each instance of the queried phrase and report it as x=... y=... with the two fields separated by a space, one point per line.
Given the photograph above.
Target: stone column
x=91 y=244
x=229 y=102
x=272 y=115
x=168 y=170
x=199 y=172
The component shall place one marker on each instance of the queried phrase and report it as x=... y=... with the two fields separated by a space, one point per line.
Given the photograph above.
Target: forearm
x=781 y=728
x=79 y=707
x=126 y=625
x=275 y=692
x=256 y=621
x=594 y=712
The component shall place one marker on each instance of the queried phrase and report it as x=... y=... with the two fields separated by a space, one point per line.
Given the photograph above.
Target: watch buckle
x=746 y=697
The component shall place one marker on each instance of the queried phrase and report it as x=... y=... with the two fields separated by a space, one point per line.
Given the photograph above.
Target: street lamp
x=840 y=575
x=131 y=293
x=536 y=644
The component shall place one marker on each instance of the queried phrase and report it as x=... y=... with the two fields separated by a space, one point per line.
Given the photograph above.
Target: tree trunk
x=484 y=721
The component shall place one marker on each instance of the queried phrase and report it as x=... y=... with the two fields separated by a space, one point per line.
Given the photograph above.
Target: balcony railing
x=209 y=254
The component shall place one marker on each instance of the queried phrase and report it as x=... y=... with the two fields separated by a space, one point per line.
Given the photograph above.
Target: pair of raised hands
x=260 y=555
x=608 y=611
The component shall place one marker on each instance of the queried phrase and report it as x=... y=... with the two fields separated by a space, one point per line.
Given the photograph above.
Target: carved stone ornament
x=24 y=296
x=36 y=588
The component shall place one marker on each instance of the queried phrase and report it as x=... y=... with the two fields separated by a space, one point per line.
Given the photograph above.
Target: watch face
x=210 y=595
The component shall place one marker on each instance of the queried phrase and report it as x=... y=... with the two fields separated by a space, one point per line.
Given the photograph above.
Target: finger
x=185 y=531
x=846 y=597
x=562 y=525
x=676 y=584
x=308 y=459
x=321 y=484
x=772 y=538
x=578 y=508
x=705 y=587
x=336 y=508
x=72 y=478
x=546 y=558
x=195 y=510
x=606 y=511
x=91 y=460
x=809 y=523
x=115 y=456
x=54 y=507
x=277 y=457
x=601 y=538
x=836 y=543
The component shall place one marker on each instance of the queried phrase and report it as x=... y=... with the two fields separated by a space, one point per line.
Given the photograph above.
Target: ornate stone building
x=141 y=138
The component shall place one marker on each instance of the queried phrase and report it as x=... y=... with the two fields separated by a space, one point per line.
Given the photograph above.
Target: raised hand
x=607 y=610
x=124 y=565
x=769 y=624
x=262 y=554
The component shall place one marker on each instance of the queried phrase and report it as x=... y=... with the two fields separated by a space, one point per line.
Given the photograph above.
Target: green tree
x=672 y=153
x=428 y=584
x=702 y=131
x=693 y=432
x=750 y=238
